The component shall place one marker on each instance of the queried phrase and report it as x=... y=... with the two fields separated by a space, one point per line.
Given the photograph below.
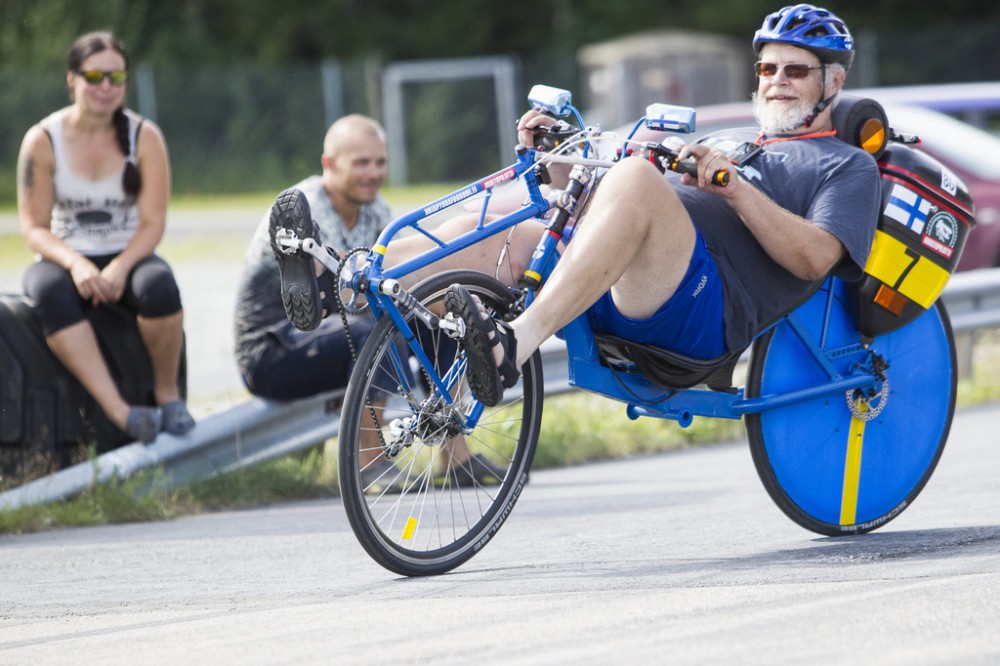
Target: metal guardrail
x=263 y=430
x=248 y=434
x=973 y=300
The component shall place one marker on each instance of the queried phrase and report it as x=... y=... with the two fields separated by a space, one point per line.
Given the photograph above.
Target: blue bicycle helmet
x=810 y=28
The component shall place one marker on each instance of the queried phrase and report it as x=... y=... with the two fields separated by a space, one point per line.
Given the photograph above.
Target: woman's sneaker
x=291 y=219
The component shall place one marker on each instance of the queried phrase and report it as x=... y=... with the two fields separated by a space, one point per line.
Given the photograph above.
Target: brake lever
x=549 y=137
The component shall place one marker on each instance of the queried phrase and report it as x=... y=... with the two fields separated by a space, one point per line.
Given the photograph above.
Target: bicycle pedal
x=453 y=326
x=287 y=241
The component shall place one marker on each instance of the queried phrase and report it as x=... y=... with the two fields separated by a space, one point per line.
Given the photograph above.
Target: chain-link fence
x=248 y=128
x=242 y=128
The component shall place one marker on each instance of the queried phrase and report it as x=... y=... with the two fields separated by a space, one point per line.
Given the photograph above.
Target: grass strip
x=597 y=430
x=576 y=428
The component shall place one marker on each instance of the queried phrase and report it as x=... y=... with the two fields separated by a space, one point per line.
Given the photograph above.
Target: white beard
x=780 y=119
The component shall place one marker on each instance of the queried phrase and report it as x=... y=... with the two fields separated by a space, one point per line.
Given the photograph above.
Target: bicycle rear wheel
x=416 y=502
x=833 y=472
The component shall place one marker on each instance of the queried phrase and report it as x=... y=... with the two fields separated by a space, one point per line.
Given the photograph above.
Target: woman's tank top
x=93 y=217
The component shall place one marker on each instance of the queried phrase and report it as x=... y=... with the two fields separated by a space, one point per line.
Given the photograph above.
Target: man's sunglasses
x=94 y=77
x=793 y=71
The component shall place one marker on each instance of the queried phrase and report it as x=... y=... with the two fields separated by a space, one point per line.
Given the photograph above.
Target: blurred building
x=624 y=75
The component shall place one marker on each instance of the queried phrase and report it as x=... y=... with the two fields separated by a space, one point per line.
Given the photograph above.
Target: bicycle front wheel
x=831 y=469
x=421 y=494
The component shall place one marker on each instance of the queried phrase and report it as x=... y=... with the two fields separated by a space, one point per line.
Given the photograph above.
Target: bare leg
x=504 y=256
x=636 y=240
x=164 y=338
x=76 y=347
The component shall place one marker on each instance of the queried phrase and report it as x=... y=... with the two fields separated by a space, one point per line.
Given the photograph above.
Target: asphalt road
x=677 y=558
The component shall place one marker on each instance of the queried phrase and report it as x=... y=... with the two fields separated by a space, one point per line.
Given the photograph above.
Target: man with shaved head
x=277 y=360
x=308 y=352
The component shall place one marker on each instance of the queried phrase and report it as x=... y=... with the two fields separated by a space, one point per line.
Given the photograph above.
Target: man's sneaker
x=381 y=477
x=292 y=219
x=476 y=471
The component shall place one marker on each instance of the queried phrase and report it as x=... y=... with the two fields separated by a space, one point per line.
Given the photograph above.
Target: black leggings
x=150 y=291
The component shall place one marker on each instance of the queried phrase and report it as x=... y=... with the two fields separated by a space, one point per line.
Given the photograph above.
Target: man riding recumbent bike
x=848 y=399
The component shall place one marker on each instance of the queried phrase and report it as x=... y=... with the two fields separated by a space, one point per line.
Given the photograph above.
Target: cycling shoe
x=292 y=218
x=487 y=380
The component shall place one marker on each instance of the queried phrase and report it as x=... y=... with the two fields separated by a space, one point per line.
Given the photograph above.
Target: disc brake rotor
x=867 y=405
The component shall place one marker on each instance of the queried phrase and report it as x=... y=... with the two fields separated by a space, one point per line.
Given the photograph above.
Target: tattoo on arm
x=28 y=174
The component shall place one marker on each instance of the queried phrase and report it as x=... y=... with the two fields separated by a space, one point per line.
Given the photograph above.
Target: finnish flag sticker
x=908 y=208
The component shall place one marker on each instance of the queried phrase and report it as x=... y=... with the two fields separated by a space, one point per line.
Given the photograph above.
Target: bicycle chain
x=351 y=344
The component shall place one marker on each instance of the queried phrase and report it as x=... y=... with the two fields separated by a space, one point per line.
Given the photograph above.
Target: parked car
x=975 y=103
x=971 y=153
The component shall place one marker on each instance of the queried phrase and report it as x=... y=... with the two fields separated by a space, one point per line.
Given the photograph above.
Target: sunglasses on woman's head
x=94 y=77
x=792 y=71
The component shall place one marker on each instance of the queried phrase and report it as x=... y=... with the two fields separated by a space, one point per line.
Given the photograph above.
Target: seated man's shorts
x=689 y=323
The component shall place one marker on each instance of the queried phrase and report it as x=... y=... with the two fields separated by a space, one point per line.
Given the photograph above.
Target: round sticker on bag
x=941 y=234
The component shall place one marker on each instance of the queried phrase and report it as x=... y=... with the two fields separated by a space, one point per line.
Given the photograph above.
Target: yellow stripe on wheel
x=852 y=469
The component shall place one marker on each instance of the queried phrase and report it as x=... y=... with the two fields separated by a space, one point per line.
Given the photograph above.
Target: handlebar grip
x=668 y=159
x=720 y=178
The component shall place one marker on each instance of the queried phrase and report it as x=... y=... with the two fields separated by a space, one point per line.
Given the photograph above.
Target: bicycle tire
x=802 y=452
x=430 y=523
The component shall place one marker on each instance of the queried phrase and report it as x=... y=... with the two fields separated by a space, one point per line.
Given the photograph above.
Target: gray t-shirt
x=259 y=310
x=824 y=180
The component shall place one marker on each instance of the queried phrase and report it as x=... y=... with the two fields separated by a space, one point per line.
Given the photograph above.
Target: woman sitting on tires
x=93 y=184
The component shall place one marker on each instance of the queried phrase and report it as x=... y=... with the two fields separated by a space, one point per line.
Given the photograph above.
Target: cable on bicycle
x=505 y=255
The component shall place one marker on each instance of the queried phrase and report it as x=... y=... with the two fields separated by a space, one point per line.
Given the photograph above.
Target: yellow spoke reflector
x=411 y=527
x=852 y=468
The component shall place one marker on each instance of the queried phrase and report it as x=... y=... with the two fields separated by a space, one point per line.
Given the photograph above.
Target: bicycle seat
x=664 y=368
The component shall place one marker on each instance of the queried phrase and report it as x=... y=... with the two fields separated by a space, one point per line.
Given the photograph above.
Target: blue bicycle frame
x=646 y=399
x=836 y=449
x=586 y=371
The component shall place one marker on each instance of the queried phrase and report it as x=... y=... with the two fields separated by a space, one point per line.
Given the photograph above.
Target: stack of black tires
x=47 y=419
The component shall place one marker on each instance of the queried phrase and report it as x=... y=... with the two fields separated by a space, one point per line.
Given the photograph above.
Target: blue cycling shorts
x=689 y=323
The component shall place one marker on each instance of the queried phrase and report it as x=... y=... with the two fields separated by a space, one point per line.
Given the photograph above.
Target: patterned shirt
x=828 y=182
x=259 y=310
